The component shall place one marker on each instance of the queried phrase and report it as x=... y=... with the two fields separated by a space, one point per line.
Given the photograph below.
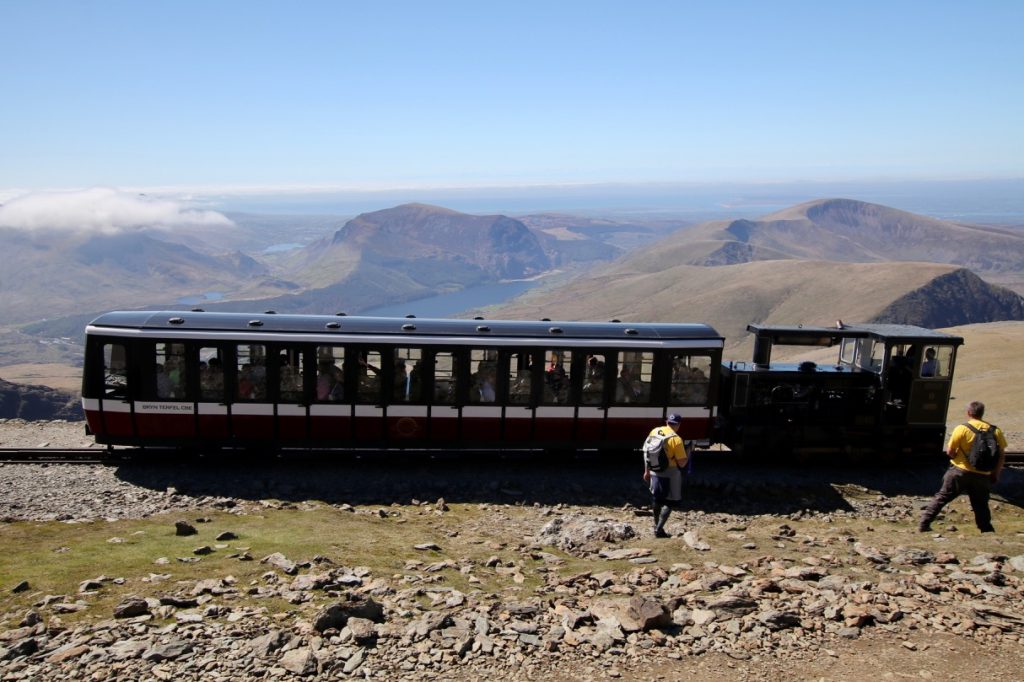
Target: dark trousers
x=958 y=482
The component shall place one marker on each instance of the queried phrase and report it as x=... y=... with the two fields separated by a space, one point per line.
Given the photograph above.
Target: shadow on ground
x=716 y=483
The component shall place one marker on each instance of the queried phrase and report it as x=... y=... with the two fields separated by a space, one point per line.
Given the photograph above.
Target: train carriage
x=229 y=380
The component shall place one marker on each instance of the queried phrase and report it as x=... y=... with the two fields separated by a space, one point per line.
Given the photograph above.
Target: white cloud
x=101 y=209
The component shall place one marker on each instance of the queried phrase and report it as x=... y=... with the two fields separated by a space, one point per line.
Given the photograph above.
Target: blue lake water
x=277 y=248
x=447 y=305
x=201 y=298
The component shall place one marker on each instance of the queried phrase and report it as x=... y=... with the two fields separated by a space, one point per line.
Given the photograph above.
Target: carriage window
x=483 y=368
x=115 y=371
x=633 y=385
x=330 y=375
x=406 y=379
x=251 y=362
x=556 y=377
x=593 y=380
x=170 y=371
x=211 y=374
x=444 y=378
x=289 y=375
x=519 y=378
x=937 y=362
x=368 y=376
x=690 y=379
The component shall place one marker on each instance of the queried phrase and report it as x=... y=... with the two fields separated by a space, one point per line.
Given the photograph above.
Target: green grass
x=55 y=557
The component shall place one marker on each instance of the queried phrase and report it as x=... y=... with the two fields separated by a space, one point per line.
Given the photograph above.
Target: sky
x=254 y=96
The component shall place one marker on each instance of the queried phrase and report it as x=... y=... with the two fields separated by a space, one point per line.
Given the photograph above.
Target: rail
x=119 y=456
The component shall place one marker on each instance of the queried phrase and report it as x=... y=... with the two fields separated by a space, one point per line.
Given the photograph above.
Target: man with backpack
x=977 y=452
x=664 y=456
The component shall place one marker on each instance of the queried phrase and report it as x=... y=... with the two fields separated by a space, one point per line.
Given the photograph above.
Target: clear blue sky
x=393 y=94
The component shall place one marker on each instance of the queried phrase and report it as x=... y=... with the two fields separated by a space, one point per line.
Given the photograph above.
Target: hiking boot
x=987 y=529
x=659 y=533
x=924 y=528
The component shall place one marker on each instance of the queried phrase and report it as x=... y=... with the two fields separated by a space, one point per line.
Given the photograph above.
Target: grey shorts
x=667 y=486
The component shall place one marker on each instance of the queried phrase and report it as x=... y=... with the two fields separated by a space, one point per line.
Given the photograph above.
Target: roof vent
x=483 y=328
x=615 y=320
x=270 y=312
x=410 y=316
x=339 y=314
x=478 y=317
x=177 y=320
x=555 y=330
x=255 y=323
x=545 y=319
x=631 y=332
x=198 y=310
x=408 y=327
x=333 y=325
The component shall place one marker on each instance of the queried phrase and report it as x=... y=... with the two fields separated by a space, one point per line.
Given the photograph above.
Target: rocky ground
x=771 y=574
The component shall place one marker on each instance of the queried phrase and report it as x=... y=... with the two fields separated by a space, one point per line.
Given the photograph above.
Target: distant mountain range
x=850 y=231
x=415 y=251
x=389 y=256
x=771 y=269
x=809 y=264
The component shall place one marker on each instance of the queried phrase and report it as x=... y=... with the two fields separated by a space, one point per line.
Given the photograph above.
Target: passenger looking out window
x=519 y=378
x=289 y=369
x=211 y=375
x=556 y=377
x=483 y=367
x=593 y=381
x=633 y=385
x=170 y=371
x=690 y=379
x=330 y=379
x=252 y=372
x=368 y=373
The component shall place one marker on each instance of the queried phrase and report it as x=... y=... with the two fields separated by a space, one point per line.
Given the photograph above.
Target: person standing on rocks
x=666 y=485
x=963 y=477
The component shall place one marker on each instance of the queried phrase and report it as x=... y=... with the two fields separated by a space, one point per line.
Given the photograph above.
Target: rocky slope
x=770 y=575
x=29 y=402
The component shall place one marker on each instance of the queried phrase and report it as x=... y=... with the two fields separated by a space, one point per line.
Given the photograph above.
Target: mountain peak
x=497 y=245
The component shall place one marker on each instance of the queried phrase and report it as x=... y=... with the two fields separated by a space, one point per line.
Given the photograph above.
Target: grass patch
x=55 y=557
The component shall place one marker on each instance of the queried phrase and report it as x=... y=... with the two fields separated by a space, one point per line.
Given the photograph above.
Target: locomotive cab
x=887 y=389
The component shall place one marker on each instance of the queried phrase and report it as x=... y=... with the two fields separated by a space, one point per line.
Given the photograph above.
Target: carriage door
x=590 y=416
x=438 y=387
x=481 y=415
x=107 y=409
x=522 y=383
x=369 y=382
x=406 y=411
x=212 y=416
x=931 y=383
x=166 y=409
x=632 y=410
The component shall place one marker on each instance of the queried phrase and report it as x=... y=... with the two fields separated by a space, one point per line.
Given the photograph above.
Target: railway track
x=116 y=456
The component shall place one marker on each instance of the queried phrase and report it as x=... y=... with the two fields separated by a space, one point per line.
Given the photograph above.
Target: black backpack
x=984 y=454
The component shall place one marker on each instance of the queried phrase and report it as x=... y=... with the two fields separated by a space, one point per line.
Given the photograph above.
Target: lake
x=449 y=305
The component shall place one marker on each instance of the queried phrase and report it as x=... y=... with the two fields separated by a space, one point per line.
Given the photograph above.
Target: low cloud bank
x=100 y=210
